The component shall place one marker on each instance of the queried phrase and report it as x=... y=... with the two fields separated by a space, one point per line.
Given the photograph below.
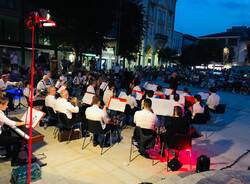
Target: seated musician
x=5 y=138
x=92 y=86
x=95 y=113
x=108 y=93
x=42 y=86
x=175 y=125
x=159 y=93
x=213 y=99
x=197 y=107
x=64 y=106
x=37 y=99
x=4 y=83
x=50 y=99
x=147 y=120
x=50 y=80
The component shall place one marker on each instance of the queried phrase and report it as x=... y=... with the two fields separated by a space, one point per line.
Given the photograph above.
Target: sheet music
x=36 y=116
x=204 y=96
x=103 y=86
x=21 y=133
x=87 y=98
x=61 y=89
x=167 y=91
x=139 y=94
x=117 y=104
x=150 y=86
x=162 y=107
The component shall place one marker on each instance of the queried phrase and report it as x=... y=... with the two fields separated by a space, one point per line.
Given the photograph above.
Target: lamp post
x=34 y=20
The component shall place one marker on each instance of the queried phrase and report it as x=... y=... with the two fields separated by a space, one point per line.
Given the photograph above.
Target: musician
x=147 y=120
x=159 y=93
x=95 y=113
x=4 y=83
x=213 y=99
x=108 y=93
x=92 y=86
x=5 y=138
x=50 y=80
x=198 y=106
x=50 y=99
x=64 y=106
x=42 y=85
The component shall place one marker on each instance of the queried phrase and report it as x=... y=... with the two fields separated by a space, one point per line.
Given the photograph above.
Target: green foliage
x=204 y=52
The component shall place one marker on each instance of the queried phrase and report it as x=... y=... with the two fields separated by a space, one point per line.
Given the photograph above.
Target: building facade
x=236 y=40
x=159 y=22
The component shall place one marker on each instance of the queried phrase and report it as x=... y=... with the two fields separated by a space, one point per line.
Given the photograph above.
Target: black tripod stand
x=20 y=94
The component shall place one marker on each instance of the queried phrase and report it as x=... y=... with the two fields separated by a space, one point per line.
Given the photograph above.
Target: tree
x=204 y=52
x=82 y=27
x=131 y=28
x=166 y=54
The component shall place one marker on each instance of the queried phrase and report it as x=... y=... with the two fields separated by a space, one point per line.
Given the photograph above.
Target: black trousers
x=107 y=128
x=11 y=143
x=11 y=98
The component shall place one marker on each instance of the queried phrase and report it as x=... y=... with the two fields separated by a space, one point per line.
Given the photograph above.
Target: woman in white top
x=6 y=139
x=197 y=107
x=108 y=93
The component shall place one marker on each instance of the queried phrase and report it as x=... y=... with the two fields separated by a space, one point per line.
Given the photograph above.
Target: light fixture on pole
x=36 y=19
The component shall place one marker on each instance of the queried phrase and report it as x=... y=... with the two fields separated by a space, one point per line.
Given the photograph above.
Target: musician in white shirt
x=6 y=139
x=50 y=80
x=95 y=113
x=50 y=99
x=62 y=105
x=213 y=99
x=91 y=87
x=4 y=83
x=108 y=93
x=197 y=107
x=42 y=85
x=145 y=118
x=60 y=82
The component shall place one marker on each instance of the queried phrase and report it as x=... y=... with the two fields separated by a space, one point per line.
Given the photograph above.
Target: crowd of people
x=64 y=95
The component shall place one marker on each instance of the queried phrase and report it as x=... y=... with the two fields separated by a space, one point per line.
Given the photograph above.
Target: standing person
x=13 y=60
x=5 y=138
x=174 y=82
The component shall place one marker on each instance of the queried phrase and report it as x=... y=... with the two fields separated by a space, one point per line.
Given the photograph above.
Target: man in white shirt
x=4 y=83
x=50 y=99
x=95 y=113
x=42 y=85
x=91 y=87
x=146 y=120
x=6 y=139
x=62 y=105
x=213 y=99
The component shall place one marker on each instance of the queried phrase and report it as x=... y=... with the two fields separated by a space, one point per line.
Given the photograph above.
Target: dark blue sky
x=201 y=17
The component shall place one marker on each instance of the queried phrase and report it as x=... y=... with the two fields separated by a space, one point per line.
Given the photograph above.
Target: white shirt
x=145 y=119
x=50 y=101
x=94 y=113
x=64 y=106
x=197 y=108
x=4 y=85
x=131 y=101
x=107 y=95
x=5 y=120
x=213 y=100
x=41 y=85
x=59 y=84
x=90 y=89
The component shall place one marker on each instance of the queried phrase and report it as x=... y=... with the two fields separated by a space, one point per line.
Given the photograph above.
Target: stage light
x=49 y=24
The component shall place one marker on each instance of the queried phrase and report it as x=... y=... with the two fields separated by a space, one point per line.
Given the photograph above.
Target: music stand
x=20 y=94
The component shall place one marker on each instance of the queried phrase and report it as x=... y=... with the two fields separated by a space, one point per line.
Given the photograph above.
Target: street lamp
x=36 y=19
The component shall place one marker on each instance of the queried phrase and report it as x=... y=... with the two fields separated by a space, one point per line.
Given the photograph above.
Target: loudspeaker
x=202 y=164
x=174 y=164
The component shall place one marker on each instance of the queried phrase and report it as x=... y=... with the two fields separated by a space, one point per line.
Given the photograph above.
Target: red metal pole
x=31 y=101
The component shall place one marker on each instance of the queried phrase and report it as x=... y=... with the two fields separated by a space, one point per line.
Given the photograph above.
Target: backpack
x=202 y=164
x=19 y=175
